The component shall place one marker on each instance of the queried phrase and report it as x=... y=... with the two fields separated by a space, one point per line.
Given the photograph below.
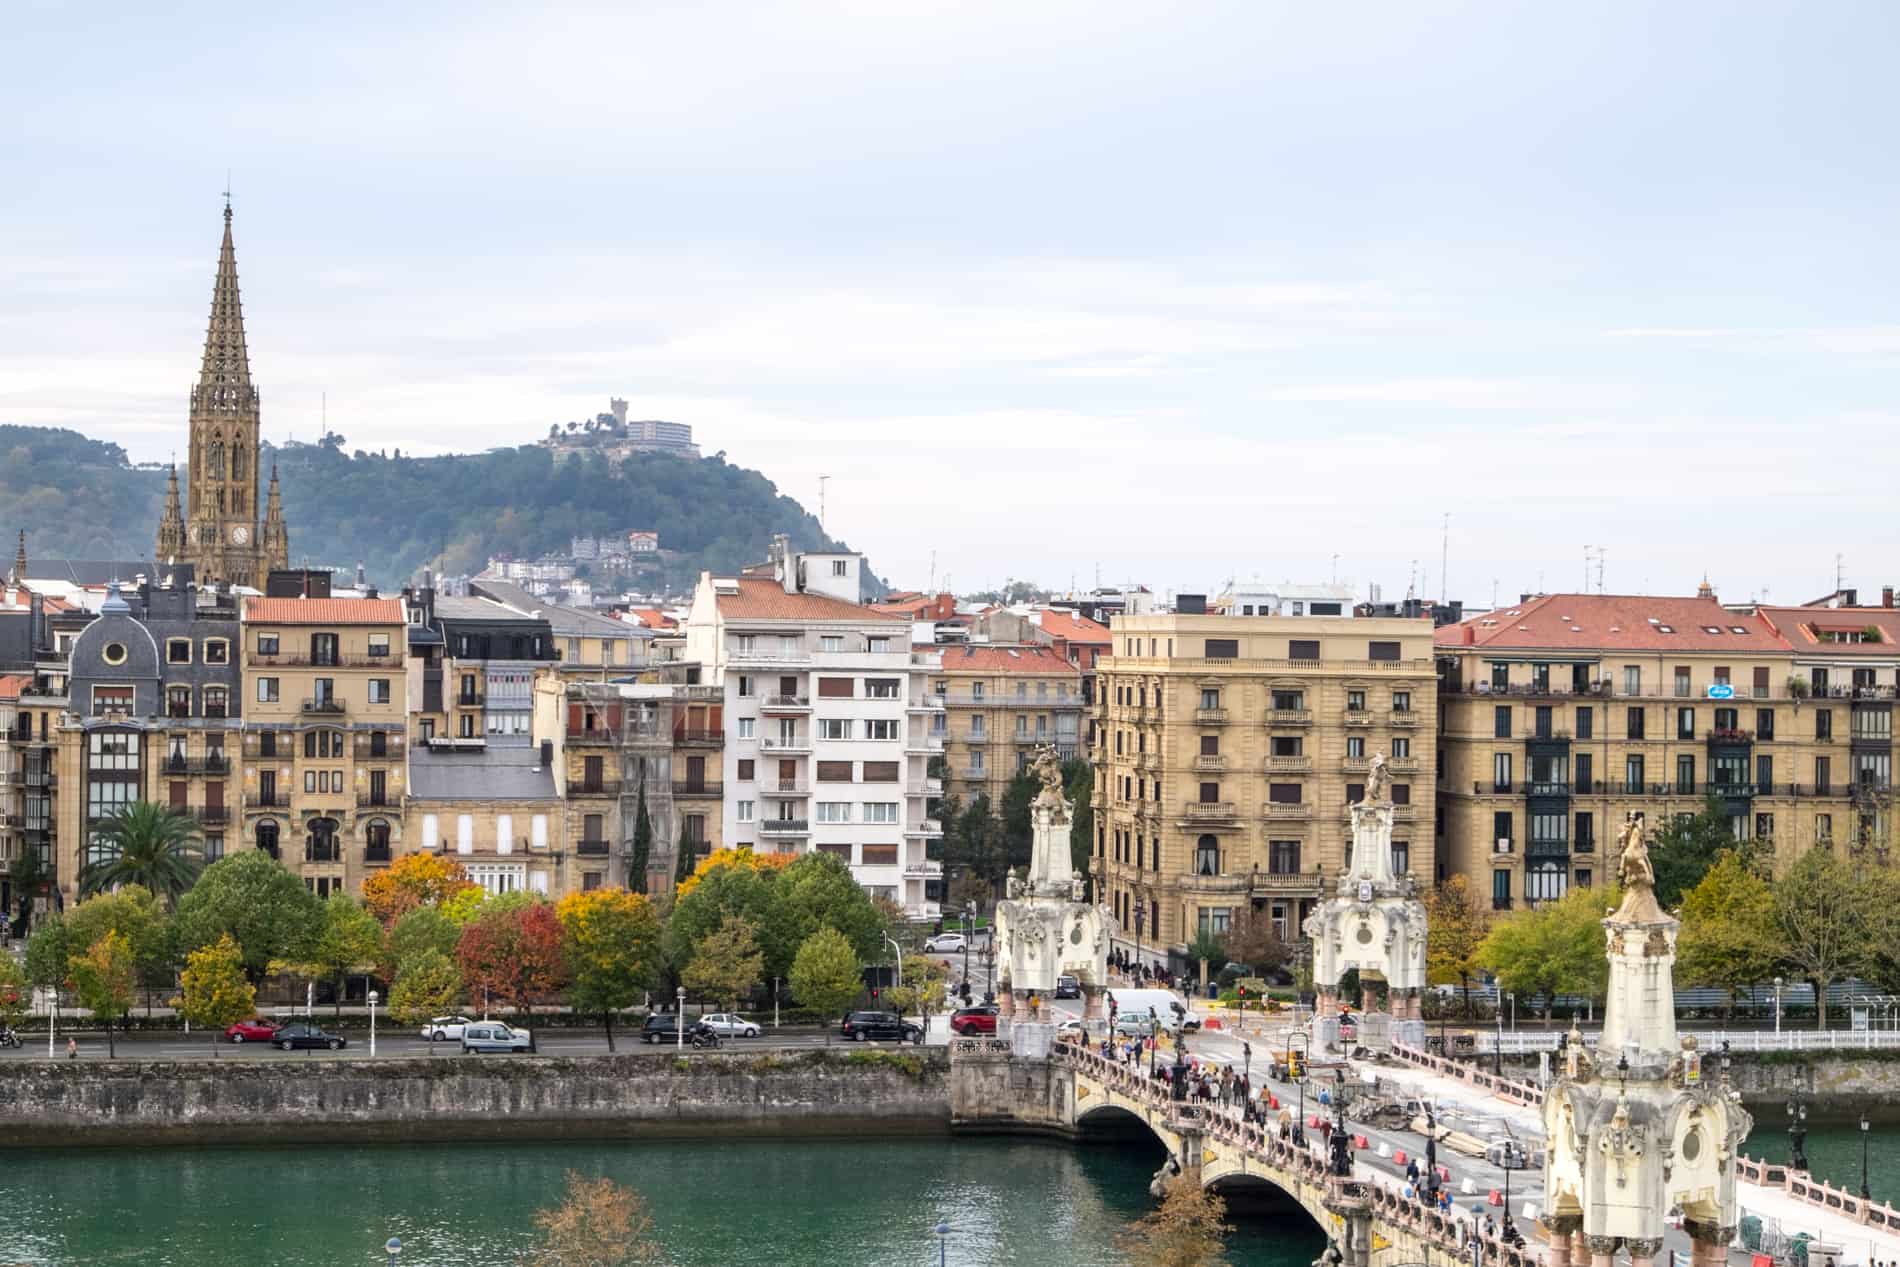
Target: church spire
x=224 y=377
x=276 y=537
x=171 y=529
x=18 y=576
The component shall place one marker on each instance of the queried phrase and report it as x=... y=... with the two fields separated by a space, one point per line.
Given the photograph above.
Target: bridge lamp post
x=392 y=1247
x=1342 y=1148
x=373 y=998
x=1508 y=1164
x=943 y=1241
x=1497 y=1047
x=1777 y=1005
x=1865 y=1126
x=1797 y=1133
x=1431 y=1150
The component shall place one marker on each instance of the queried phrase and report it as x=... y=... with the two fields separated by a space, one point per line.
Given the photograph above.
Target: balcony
x=262 y=800
x=392 y=750
x=701 y=790
x=923 y=870
x=928 y=704
x=1402 y=718
x=377 y=800
x=1210 y=811
x=1730 y=736
x=752 y=657
x=470 y=699
x=923 y=827
x=1500 y=903
x=784 y=787
x=785 y=704
x=784 y=827
x=1547 y=789
x=1210 y=716
x=1210 y=763
x=1357 y=717
x=918 y=787
x=1289 y=717
x=330 y=851
x=592 y=848
x=41 y=777
x=212 y=815
x=1283 y=811
x=1212 y=885
x=796 y=744
x=697 y=737
x=594 y=787
x=1285 y=882
x=304 y=661
x=974 y=773
x=329 y=707
x=1402 y=765
x=375 y=855
x=1289 y=765
x=197 y=765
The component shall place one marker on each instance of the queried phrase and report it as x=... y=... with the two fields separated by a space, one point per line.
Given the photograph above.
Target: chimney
x=1886 y=596
x=1850 y=598
x=547 y=754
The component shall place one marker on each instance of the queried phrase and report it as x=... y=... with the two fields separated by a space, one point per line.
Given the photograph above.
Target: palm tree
x=146 y=844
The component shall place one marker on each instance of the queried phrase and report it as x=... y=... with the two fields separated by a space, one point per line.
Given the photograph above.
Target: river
x=869 y=1203
x=1834 y=1152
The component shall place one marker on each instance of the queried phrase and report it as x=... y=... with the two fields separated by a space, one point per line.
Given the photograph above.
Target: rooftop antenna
x=1840 y=579
x=1444 y=558
x=1335 y=569
x=821 y=501
x=1494 y=593
x=933 y=571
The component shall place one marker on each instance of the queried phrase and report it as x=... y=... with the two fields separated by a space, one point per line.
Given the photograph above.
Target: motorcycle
x=10 y=1039
x=703 y=1037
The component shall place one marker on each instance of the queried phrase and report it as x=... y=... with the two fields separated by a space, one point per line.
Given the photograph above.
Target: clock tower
x=218 y=530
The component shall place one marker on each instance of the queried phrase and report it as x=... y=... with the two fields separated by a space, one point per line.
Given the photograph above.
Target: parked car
x=974 y=1020
x=255 y=1030
x=663 y=1027
x=445 y=1028
x=860 y=1026
x=486 y=1036
x=730 y=1025
x=1067 y=987
x=1134 y=1025
x=945 y=943
x=302 y=1034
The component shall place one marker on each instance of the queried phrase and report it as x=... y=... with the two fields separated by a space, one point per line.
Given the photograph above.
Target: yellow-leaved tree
x=612 y=941
x=216 y=993
x=414 y=880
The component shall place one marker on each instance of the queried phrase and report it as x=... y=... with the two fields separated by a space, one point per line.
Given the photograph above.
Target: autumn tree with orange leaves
x=412 y=881
x=514 y=953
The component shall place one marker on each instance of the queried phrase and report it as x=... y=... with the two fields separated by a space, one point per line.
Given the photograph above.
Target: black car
x=875 y=1025
x=664 y=1027
x=299 y=1034
x=1068 y=987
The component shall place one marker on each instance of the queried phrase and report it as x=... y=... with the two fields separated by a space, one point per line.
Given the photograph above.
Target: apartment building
x=660 y=739
x=1566 y=712
x=1227 y=751
x=496 y=810
x=588 y=647
x=325 y=691
x=997 y=706
x=154 y=694
x=827 y=722
x=472 y=667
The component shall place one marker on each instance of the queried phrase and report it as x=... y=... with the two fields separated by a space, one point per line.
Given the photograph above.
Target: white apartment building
x=828 y=735
x=1266 y=598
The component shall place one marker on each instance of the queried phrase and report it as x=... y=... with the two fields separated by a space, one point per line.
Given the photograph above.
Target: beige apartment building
x=1566 y=713
x=995 y=706
x=324 y=716
x=1227 y=750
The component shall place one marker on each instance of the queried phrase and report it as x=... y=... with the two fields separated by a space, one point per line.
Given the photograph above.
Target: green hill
x=81 y=498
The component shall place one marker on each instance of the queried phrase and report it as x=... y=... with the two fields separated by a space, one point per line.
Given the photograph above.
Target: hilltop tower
x=218 y=533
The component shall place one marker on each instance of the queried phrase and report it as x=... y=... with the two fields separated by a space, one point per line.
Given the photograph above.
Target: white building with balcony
x=828 y=738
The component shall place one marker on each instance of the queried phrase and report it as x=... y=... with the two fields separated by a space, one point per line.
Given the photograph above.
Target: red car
x=255 y=1030
x=973 y=1020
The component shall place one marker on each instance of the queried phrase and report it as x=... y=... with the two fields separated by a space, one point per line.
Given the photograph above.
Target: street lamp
x=1777 y=1005
x=1865 y=1195
x=1342 y=1148
x=373 y=997
x=943 y=1240
x=1508 y=1164
x=1141 y=912
x=898 y=952
x=1497 y=1049
x=775 y=981
x=969 y=935
x=392 y=1247
x=679 y=1018
x=1797 y=1133
x=1431 y=1150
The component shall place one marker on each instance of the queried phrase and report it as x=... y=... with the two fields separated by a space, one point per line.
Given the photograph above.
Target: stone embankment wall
x=767 y=1093
x=1842 y=1084
x=993 y=1093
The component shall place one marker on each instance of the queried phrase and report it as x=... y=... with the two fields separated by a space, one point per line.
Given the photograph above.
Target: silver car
x=489 y=1036
x=730 y=1025
x=445 y=1028
x=945 y=944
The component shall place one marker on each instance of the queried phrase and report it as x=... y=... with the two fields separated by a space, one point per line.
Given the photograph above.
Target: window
x=1289 y=745
x=1222 y=649
x=177 y=651
x=1401 y=701
x=1546 y=881
x=1210 y=746
x=217 y=651
x=1289 y=701
x=1216 y=921
x=111 y=699
x=977 y=691
x=880 y=771
x=1764 y=723
x=1501 y=721
x=1586 y=831
x=979 y=731
x=1765 y=774
x=834 y=772
x=217 y=701
x=1683 y=687
x=1401 y=793
x=1210 y=793
x=880 y=688
x=834 y=728
x=323 y=649
x=1685 y=774
x=1355 y=747
x=379 y=690
x=1824 y=829
x=1502 y=826
x=1823 y=723
x=1872 y=723
x=746 y=810
x=1632 y=679
x=1633 y=772
x=1500 y=675
x=746 y=726
x=379 y=644
x=1210 y=697
x=1283 y=857
x=1401 y=857
x=838 y=568
x=1284 y=793
x=1765 y=827
x=878 y=646
x=875 y=729
x=1355 y=701
x=880 y=811
x=1500 y=890
x=1500 y=772
x=834 y=811
x=267 y=644
x=1722 y=676
x=1635 y=723
x=835 y=688
x=1728 y=719
x=1401 y=748
x=1207 y=856
x=1586 y=722
x=831 y=642
x=1302 y=649
x=1685 y=723
x=1382 y=651
x=880 y=855
x=178 y=701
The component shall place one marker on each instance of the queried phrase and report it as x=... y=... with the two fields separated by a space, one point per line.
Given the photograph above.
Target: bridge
x=1369 y=1221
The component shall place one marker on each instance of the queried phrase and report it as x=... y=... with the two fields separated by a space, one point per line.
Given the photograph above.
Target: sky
x=1169 y=293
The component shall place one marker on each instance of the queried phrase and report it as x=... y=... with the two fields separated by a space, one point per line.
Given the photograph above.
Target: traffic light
x=874 y=992
x=1243 y=998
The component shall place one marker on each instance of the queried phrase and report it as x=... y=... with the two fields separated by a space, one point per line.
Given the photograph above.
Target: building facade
x=828 y=737
x=226 y=531
x=1227 y=752
x=472 y=668
x=996 y=707
x=496 y=811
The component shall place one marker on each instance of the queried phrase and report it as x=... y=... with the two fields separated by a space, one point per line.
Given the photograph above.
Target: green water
x=839 y=1203
x=1834 y=1153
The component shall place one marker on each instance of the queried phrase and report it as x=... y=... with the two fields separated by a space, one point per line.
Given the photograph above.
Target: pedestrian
x=72 y=1048
x=1411 y=1172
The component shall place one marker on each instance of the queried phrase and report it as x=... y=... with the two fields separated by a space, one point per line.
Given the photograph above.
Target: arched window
x=1207 y=856
x=321 y=843
x=376 y=836
x=267 y=837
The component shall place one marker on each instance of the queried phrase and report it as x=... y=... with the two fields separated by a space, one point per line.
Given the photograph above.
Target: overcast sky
x=1177 y=291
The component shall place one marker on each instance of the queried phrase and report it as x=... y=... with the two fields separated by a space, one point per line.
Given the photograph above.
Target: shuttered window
x=1303 y=649
x=880 y=855
x=1223 y=649
x=834 y=772
x=1382 y=651
x=835 y=688
x=880 y=771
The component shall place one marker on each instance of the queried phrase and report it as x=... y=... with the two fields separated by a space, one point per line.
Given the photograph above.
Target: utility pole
x=1444 y=560
x=821 y=501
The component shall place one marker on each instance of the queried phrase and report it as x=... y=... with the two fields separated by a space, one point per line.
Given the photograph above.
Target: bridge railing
x=1450 y=1233
x=1513 y=1090
x=1710 y=1040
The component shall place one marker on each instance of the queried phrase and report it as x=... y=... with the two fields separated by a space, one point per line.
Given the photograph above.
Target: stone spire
x=276 y=536
x=225 y=374
x=171 y=529
x=18 y=575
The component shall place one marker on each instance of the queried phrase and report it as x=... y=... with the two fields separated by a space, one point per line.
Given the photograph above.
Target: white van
x=1166 y=1005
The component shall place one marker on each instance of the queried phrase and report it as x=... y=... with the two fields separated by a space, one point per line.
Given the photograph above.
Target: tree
x=103 y=979
x=1556 y=949
x=975 y=843
x=428 y=984
x=924 y=989
x=31 y=877
x=720 y=859
x=642 y=846
x=612 y=944
x=745 y=885
x=133 y=911
x=47 y=951
x=1253 y=940
x=1683 y=851
x=148 y=845
x=216 y=994
x=425 y=928
x=1454 y=930
x=826 y=974
x=349 y=940
x=1188 y=1230
x=600 y=1224
x=725 y=964
x=1211 y=950
x=1824 y=914
x=13 y=992
x=514 y=954
x=1729 y=938
x=1079 y=779
x=412 y=881
x=685 y=855
x=267 y=910
x=816 y=891
x=1019 y=831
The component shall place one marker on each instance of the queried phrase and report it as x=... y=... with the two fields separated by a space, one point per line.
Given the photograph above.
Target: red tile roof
x=1803 y=627
x=1614 y=622
x=652 y=617
x=323 y=611
x=766 y=599
x=1033 y=660
x=12 y=683
x=1060 y=623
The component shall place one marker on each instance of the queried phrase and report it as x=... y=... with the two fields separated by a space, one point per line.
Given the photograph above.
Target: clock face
x=240 y=534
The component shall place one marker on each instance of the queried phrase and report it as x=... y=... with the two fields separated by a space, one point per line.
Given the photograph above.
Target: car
x=860 y=1026
x=1134 y=1025
x=730 y=1025
x=1068 y=987
x=946 y=943
x=487 y=1036
x=445 y=1028
x=973 y=1020
x=302 y=1034
x=1072 y=1031
x=255 y=1030
x=663 y=1027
